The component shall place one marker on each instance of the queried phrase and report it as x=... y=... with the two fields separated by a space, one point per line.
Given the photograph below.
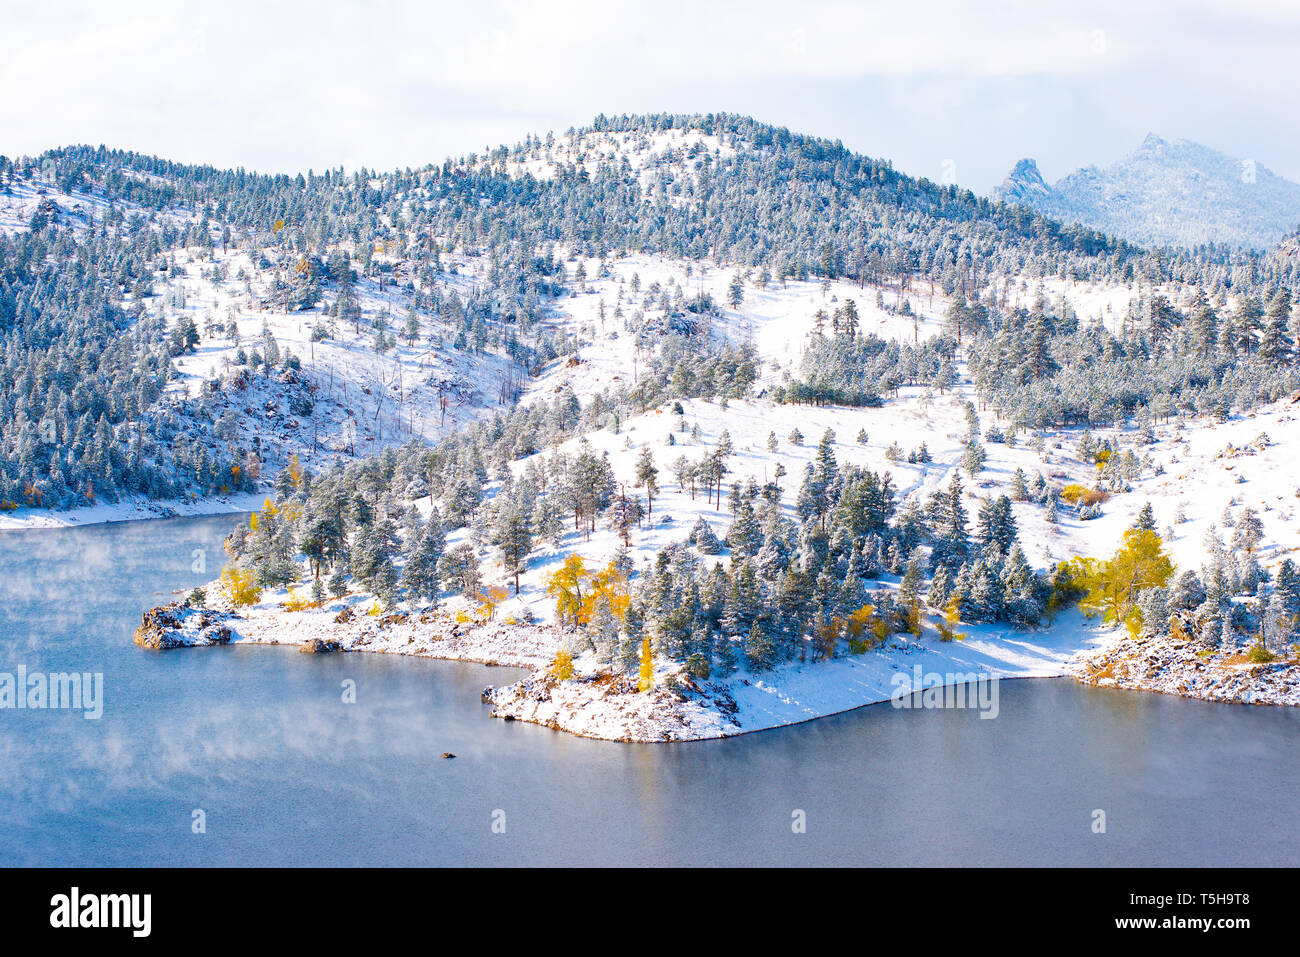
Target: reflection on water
x=287 y=773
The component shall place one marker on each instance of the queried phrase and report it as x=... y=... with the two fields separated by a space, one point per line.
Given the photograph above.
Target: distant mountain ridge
x=1166 y=192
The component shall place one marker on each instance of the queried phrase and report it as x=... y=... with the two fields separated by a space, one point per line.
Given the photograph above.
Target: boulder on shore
x=165 y=627
x=159 y=629
x=318 y=646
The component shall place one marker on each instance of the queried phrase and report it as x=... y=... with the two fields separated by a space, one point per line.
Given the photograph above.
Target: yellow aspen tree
x=562 y=665
x=240 y=586
x=1139 y=563
x=566 y=586
x=646 y=678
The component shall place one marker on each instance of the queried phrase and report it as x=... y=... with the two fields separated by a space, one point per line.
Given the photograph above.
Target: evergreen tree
x=513 y=538
x=420 y=577
x=951 y=539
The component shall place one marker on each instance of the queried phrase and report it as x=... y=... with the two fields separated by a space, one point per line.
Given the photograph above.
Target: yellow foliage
x=1077 y=494
x=566 y=585
x=296 y=602
x=947 y=625
x=240 y=586
x=611 y=584
x=914 y=618
x=864 y=622
x=646 y=676
x=826 y=637
x=562 y=665
x=489 y=599
x=1133 y=622
x=477 y=616
x=374 y=609
x=1139 y=563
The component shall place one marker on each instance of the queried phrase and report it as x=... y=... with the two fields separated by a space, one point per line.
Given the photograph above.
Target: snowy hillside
x=398 y=367
x=670 y=408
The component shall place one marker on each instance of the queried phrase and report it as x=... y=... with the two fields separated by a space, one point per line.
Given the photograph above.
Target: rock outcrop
x=176 y=626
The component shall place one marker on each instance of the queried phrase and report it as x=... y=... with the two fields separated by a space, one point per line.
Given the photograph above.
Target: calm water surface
x=285 y=772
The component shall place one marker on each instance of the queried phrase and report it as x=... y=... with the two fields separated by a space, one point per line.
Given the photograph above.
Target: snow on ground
x=24 y=197
x=368 y=399
x=1198 y=478
x=594 y=705
x=777 y=318
x=133 y=509
x=1172 y=666
x=679 y=151
x=1196 y=469
x=78 y=209
x=597 y=703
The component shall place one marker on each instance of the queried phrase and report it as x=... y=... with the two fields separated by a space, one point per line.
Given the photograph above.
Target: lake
x=285 y=772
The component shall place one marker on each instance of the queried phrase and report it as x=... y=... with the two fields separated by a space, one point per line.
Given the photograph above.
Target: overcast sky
x=283 y=87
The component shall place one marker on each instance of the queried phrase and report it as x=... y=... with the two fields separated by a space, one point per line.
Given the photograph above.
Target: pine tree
x=646 y=477
x=420 y=577
x=1204 y=325
x=1019 y=488
x=972 y=459
x=1276 y=346
x=724 y=655
x=952 y=542
x=459 y=569
x=997 y=524
x=514 y=540
x=736 y=292
x=1247 y=324
x=760 y=653
x=909 y=590
x=1248 y=531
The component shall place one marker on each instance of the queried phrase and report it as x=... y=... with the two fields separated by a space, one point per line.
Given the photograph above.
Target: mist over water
x=260 y=740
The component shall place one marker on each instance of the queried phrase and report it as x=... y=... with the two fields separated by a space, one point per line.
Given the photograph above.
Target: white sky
x=290 y=86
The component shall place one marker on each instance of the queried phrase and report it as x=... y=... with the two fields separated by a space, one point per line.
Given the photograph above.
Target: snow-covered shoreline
x=1168 y=666
x=134 y=510
x=598 y=703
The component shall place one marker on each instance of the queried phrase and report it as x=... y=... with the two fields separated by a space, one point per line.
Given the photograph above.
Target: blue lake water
x=261 y=741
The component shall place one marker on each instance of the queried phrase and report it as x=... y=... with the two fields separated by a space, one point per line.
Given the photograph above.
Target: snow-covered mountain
x=1024 y=185
x=1173 y=192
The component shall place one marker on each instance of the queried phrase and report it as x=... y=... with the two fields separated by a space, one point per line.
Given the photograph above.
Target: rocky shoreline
x=1180 y=668
x=319 y=631
x=598 y=703
x=682 y=711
